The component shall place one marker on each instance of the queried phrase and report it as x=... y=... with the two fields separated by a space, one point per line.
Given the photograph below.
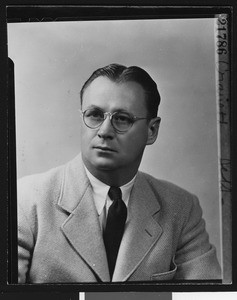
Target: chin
x=104 y=166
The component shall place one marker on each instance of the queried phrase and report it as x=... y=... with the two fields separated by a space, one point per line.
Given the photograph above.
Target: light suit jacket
x=60 y=238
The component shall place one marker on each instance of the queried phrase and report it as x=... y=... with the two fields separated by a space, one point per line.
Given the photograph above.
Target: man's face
x=103 y=148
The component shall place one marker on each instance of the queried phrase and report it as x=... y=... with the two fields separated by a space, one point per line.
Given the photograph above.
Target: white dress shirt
x=102 y=200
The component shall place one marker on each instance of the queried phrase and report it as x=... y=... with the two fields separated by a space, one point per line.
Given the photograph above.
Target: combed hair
x=119 y=73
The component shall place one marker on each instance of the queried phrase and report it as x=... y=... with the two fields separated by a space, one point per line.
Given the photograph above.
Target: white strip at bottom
x=205 y=296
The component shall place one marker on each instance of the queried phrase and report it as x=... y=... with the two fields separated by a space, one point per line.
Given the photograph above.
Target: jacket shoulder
x=167 y=188
x=37 y=187
x=172 y=196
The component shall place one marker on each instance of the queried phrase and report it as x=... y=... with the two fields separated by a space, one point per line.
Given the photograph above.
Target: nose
x=106 y=130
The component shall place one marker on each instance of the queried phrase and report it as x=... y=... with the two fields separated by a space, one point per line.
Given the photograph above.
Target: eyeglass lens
x=121 y=121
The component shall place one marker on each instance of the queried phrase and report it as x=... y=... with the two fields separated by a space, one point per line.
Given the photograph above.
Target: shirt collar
x=100 y=190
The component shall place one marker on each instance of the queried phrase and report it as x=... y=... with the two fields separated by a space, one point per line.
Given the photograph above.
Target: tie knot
x=115 y=193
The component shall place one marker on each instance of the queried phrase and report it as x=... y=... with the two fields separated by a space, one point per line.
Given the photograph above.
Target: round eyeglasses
x=121 y=121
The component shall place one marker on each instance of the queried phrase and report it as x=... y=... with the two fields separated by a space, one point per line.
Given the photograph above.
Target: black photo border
x=56 y=10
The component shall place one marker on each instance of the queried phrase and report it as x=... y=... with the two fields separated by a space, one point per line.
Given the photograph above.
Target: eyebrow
x=93 y=106
x=116 y=110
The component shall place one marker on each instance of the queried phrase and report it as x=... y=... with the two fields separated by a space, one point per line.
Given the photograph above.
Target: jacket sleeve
x=25 y=245
x=27 y=226
x=195 y=256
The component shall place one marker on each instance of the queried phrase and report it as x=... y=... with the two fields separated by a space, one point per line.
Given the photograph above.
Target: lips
x=103 y=148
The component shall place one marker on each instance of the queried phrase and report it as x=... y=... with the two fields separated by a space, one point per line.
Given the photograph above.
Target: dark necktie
x=114 y=229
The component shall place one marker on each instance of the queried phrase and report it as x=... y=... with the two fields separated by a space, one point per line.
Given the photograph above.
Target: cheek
x=87 y=134
x=136 y=141
x=86 y=141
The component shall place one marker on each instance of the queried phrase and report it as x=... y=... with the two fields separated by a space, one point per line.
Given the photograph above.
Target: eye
x=94 y=114
x=122 y=118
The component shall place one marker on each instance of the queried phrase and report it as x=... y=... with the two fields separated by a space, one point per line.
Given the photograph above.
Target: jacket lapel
x=141 y=231
x=82 y=227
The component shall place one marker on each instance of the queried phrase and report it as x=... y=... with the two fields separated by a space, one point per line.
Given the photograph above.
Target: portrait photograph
x=130 y=115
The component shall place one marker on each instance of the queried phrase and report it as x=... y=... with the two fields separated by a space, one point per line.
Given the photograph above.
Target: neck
x=112 y=177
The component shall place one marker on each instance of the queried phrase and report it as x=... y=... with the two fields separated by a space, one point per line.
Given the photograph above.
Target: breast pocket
x=169 y=275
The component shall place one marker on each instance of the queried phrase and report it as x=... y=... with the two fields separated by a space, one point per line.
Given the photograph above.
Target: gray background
x=127 y=296
x=52 y=61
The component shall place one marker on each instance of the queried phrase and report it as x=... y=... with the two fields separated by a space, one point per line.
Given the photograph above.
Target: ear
x=153 y=128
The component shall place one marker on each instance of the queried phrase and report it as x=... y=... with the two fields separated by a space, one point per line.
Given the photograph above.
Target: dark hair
x=119 y=73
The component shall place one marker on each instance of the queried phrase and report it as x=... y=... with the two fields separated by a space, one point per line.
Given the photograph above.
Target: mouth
x=104 y=149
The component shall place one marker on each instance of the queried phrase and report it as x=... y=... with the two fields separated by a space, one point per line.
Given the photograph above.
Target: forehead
x=104 y=92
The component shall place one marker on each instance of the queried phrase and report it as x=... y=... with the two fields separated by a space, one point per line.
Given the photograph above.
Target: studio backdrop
x=52 y=61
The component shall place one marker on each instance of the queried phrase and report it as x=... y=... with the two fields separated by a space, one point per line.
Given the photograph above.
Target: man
x=97 y=218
